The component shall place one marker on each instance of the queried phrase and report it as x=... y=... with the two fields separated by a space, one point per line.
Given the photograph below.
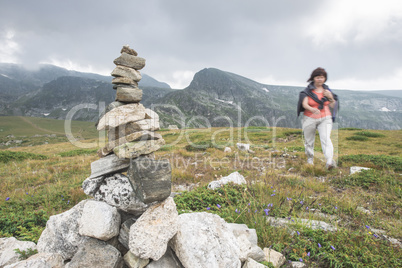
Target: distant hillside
x=215 y=95
x=213 y=98
x=50 y=91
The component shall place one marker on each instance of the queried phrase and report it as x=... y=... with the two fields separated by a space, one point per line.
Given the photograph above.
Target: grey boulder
x=150 y=234
x=95 y=253
x=99 y=220
x=7 y=247
x=61 y=233
x=205 y=240
x=117 y=191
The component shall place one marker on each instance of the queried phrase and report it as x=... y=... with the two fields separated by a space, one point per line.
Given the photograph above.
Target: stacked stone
x=131 y=142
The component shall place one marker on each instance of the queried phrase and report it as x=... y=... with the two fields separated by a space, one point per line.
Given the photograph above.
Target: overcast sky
x=358 y=42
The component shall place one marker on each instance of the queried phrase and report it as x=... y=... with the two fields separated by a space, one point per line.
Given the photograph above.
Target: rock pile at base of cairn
x=132 y=220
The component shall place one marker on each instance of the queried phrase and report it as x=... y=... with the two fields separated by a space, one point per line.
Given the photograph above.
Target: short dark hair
x=318 y=72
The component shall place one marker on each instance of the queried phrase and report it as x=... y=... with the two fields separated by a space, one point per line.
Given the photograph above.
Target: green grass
x=78 y=152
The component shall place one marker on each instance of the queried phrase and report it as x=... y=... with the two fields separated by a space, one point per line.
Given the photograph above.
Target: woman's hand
x=329 y=95
x=315 y=111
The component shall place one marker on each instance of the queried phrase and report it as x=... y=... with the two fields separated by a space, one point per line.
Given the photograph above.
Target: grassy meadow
x=42 y=176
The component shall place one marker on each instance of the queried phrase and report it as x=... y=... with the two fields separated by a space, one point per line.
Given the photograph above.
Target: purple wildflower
x=332 y=247
x=306 y=208
x=319 y=245
x=208 y=208
x=272 y=194
x=308 y=254
x=376 y=236
x=8 y=198
x=272 y=186
x=301 y=202
x=368 y=227
x=68 y=202
x=26 y=193
x=274 y=191
x=266 y=211
x=249 y=204
x=301 y=260
x=219 y=206
x=298 y=233
x=256 y=211
x=319 y=204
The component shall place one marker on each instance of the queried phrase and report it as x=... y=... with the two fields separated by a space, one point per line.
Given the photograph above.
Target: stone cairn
x=131 y=220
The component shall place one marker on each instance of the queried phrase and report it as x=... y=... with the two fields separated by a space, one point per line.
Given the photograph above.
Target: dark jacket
x=308 y=92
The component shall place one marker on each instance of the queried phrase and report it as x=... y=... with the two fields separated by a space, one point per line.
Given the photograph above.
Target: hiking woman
x=315 y=102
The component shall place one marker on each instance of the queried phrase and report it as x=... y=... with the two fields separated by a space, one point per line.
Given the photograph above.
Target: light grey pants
x=324 y=127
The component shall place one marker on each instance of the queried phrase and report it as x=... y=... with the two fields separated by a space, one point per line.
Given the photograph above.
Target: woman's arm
x=330 y=98
x=308 y=107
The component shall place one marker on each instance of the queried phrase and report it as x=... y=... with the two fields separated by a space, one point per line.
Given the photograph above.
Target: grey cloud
x=255 y=38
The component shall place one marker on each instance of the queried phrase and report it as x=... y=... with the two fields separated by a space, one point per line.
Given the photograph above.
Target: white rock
x=7 y=246
x=250 y=263
x=61 y=233
x=355 y=169
x=227 y=150
x=250 y=249
x=122 y=115
x=276 y=258
x=99 y=220
x=205 y=240
x=40 y=260
x=235 y=178
x=297 y=264
x=150 y=234
x=243 y=146
x=135 y=149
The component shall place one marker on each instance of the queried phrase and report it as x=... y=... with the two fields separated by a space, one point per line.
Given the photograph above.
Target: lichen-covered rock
x=117 y=191
x=205 y=240
x=150 y=234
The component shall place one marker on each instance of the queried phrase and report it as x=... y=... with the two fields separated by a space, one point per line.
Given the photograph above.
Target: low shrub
x=7 y=156
x=357 y=138
x=376 y=161
x=369 y=134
